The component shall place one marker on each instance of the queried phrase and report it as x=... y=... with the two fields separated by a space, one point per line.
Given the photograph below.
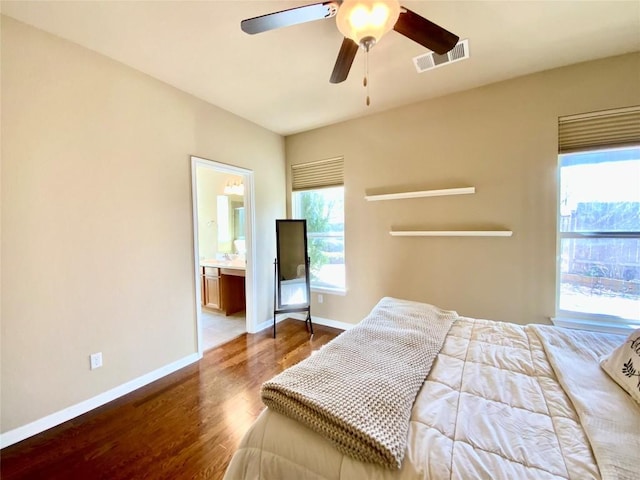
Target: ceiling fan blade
x=286 y=18
x=347 y=53
x=424 y=32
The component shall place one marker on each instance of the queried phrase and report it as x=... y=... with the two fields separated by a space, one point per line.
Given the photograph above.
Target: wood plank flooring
x=186 y=425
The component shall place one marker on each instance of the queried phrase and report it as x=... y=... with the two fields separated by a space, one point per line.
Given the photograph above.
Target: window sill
x=329 y=291
x=595 y=325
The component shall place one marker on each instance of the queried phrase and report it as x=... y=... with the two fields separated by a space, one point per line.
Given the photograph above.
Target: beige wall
x=501 y=139
x=97 y=234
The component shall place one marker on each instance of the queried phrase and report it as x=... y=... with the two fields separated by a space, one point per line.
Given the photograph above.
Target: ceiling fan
x=363 y=23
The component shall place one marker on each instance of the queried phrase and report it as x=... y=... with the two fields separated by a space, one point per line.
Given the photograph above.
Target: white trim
x=251 y=287
x=302 y=317
x=251 y=280
x=329 y=291
x=269 y=323
x=594 y=325
x=18 y=434
x=423 y=193
x=585 y=320
x=558 y=257
x=196 y=254
x=451 y=233
x=322 y=321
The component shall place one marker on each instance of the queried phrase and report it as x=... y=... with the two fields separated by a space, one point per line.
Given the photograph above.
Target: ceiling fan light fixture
x=366 y=21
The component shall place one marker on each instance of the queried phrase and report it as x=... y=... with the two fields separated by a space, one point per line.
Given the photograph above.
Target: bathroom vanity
x=222 y=284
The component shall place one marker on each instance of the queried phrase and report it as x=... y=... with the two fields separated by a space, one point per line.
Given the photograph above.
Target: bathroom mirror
x=292 y=287
x=230 y=221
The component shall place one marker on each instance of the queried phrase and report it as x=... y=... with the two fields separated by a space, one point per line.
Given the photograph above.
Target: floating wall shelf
x=452 y=233
x=423 y=193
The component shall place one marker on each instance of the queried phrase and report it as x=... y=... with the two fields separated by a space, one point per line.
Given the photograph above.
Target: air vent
x=432 y=60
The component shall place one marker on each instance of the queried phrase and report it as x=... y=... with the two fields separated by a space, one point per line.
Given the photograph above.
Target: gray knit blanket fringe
x=359 y=389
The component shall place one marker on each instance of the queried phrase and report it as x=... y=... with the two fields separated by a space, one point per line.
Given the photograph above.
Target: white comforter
x=491 y=408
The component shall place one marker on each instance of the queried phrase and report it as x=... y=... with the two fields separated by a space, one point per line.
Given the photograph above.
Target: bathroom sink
x=223 y=263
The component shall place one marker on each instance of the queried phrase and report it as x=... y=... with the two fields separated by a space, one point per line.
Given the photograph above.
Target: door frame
x=249 y=228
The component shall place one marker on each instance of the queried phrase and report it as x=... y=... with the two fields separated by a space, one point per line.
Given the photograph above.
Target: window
x=318 y=197
x=599 y=233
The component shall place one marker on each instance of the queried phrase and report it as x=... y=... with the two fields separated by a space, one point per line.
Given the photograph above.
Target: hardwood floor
x=186 y=425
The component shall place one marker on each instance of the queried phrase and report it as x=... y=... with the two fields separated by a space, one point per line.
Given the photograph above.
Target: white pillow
x=623 y=365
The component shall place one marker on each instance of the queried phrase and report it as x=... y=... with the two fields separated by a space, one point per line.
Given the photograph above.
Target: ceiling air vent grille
x=432 y=60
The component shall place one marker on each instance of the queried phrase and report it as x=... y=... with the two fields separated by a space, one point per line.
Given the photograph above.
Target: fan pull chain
x=365 y=82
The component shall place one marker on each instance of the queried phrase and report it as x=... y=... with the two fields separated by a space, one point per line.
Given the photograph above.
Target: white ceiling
x=280 y=79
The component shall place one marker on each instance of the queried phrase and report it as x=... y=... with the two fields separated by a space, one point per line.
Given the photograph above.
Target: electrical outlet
x=320 y=298
x=96 y=360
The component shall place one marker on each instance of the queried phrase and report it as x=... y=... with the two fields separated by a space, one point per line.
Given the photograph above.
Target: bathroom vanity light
x=235 y=188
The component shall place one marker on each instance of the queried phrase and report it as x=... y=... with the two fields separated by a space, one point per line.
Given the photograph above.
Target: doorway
x=223 y=223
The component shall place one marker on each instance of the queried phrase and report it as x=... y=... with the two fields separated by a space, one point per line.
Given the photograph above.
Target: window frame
x=578 y=319
x=295 y=214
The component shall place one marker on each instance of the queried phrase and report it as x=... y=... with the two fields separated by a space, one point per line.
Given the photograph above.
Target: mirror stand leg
x=309 y=320
x=275 y=294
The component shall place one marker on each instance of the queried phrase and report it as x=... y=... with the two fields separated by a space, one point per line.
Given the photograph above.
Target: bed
x=498 y=401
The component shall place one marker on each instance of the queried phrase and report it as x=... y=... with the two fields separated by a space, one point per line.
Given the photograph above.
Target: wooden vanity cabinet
x=211 y=287
x=223 y=289
x=232 y=290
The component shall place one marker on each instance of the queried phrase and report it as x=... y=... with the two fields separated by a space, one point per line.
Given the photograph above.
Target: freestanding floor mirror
x=292 y=291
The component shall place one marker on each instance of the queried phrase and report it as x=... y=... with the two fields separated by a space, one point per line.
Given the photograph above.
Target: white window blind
x=318 y=174
x=605 y=129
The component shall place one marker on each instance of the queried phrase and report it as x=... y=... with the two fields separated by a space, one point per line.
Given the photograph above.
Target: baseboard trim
x=38 y=426
x=302 y=316
x=327 y=322
x=269 y=323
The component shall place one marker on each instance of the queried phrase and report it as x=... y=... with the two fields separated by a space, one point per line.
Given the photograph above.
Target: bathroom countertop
x=232 y=264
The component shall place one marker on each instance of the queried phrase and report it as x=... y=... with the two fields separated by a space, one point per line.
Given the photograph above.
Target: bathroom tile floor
x=218 y=328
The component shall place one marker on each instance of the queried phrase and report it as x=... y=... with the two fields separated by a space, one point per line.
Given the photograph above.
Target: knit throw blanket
x=359 y=389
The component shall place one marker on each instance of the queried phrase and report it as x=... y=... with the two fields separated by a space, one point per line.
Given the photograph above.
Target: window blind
x=318 y=174
x=606 y=129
